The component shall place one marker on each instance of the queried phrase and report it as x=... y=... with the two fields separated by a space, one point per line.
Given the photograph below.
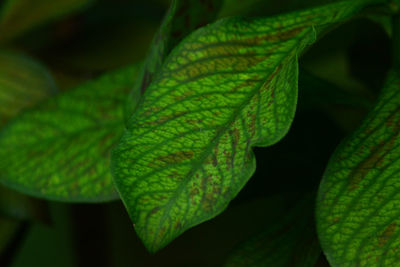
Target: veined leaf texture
x=183 y=17
x=227 y=87
x=23 y=83
x=357 y=208
x=61 y=148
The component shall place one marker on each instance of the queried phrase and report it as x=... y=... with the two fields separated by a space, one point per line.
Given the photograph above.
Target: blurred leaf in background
x=20 y=16
x=23 y=83
x=60 y=149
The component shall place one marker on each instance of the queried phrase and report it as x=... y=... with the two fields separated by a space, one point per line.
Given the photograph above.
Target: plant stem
x=396 y=41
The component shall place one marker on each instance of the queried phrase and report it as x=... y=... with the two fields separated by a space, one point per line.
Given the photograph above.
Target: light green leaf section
x=226 y=88
x=19 y=16
x=358 y=217
x=289 y=240
x=183 y=17
x=23 y=83
x=61 y=149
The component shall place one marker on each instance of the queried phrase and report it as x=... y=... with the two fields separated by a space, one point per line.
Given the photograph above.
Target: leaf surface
x=23 y=83
x=60 y=149
x=183 y=17
x=289 y=240
x=357 y=209
x=19 y=16
x=227 y=87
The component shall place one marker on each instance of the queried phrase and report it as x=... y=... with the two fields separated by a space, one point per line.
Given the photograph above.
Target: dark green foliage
x=216 y=133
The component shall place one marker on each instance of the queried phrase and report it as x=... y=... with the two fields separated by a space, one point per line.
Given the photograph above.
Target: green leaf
x=226 y=88
x=19 y=16
x=357 y=210
x=60 y=149
x=288 y=240
x=183 y=17
x=23 y=83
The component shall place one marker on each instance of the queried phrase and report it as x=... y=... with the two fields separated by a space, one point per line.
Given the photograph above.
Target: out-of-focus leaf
x=345 y=107
x=60 y=149
x=242 y=7
x=183 y=17
x=357 y=215
x=267 y=7
x=227 y=87
x=83 y=56
x=290 y=240
x=19 y=16
x=320 y=92
x=23 y=83
x=119 y=31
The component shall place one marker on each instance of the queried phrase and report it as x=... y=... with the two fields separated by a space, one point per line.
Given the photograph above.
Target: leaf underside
x=227 y=87
x=61 y=149
x=357 y=209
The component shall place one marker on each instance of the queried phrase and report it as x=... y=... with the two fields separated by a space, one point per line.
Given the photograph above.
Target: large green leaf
x=183 y=17
x=357 y=210
x=23 y=83
x=19 y=16
x=288 y=240
x=226 y=88
x=60 y=149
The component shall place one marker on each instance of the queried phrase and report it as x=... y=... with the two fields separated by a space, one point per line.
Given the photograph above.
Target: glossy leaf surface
x=60 y=149
x=19 y=16
x=289 y=240
x=183 y=17
x=357 y=212
x=23 y=83
x=227 y=87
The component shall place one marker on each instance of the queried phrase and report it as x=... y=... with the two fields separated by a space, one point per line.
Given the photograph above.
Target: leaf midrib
x=197 y=165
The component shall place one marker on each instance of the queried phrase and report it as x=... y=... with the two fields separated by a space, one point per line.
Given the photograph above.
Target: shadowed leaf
x=183 y=17
x=23 y=83
x=227 y=87
x=60 y=149
x=357 y=214
x=290 y=240
x=19 y=16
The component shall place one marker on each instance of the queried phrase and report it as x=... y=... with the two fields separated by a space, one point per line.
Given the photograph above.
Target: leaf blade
x=355 y=216
x=187 y=150
x=288 y=240
x=20 y=16
x=181 y=19
x=23 y=83
x=60 y=149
